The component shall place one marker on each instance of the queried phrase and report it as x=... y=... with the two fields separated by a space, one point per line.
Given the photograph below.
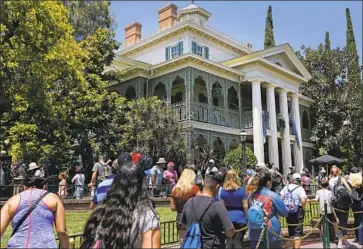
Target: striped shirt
x=102 y=189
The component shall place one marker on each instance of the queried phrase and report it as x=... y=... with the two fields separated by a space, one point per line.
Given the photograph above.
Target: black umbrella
x=326 y=159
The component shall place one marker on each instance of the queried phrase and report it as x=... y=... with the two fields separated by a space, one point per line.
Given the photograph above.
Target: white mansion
x=219 y=86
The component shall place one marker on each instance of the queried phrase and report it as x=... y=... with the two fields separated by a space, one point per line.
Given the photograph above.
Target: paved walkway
x=332 y=246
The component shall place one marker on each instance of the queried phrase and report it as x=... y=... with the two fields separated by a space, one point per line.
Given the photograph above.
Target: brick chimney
x=167 y=16
x=132 y=33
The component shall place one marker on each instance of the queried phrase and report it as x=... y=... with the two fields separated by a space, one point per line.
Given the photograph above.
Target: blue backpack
x=193 y=237
x=256 y=215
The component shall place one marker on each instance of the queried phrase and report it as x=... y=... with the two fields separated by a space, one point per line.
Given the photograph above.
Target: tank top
x=37 y=230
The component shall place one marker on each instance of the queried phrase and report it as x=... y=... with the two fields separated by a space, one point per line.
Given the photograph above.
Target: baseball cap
x=296 y=176
x=211 y=161
x=354 y=170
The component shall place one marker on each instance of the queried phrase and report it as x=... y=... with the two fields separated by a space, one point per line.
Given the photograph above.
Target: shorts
x=294 y=219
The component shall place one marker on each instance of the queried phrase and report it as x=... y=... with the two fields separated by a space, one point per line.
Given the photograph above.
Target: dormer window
x=174 y=51
x=200 y=50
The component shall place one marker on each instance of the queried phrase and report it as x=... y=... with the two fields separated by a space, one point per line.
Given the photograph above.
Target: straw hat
x=33 y=166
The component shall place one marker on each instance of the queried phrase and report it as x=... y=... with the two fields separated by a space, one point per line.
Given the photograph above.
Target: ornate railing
x=233 y=119
x=247 y=118
x=200 y=112
x=306 y=134
x=218 y=116
x=180 y=113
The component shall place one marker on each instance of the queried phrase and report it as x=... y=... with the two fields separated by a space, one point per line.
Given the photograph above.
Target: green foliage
x=354 y=89
x=269 y=30
x=87 y=16
x=233 y=159
x=151 y=128
x=327 y=41
x=40 y=72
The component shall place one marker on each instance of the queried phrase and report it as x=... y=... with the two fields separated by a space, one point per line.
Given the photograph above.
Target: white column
x=298 y=150
x=286 y=149
x=257 y=121
x=273 y=147
x=240 y=106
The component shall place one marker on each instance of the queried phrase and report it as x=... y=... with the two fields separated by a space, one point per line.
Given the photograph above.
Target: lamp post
x=243 y=135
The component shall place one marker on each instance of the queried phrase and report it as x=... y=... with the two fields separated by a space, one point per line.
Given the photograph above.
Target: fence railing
x=169 y=232
x=80 y=191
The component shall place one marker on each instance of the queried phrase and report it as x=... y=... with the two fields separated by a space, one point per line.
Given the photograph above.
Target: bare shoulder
x=52 y=200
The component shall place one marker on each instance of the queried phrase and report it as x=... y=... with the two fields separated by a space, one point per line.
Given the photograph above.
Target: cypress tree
x=327 y=41
x=354 y=90
x=269 y=32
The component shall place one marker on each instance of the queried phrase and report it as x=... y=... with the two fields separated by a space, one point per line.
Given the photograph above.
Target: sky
x=297 y=23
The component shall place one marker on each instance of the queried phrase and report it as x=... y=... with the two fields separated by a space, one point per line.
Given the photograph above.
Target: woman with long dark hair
x=126 y=218
x=260 y=194
x=34 y=229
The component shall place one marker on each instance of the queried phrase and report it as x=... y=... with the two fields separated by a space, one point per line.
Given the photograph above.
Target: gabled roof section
x=284 y=51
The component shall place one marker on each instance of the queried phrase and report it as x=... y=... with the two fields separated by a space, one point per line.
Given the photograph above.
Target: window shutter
x=194 y=47
x=167 y=53
x=206 y=52
x=180 y=48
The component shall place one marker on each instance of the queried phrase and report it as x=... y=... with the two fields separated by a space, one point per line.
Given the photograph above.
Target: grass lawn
x=77 y=219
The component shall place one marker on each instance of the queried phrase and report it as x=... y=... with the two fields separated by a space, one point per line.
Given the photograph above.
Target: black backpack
x=342 y=195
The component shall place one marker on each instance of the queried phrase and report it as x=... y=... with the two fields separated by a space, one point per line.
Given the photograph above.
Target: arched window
x=130 y=93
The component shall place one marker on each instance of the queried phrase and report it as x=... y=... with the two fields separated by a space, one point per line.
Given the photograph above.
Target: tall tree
x=325 y=87
x=41 y=72
x=152 y=129
x=269 y=30
x=86 y=16
x=327 y=41
x=354 y=89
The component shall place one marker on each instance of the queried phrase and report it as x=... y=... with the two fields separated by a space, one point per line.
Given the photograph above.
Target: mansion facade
x=219 y=86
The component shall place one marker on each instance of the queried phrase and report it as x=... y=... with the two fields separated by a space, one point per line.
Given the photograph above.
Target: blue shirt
x=233 y=201
x=274 y=207
x=102 y=189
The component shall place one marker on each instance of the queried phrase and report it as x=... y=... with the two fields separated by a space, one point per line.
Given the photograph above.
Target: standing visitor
x=78 y=181
x=35 y=170
x=211 y=167
x=323 y=196
x=97 y=172
x=211 y=214
x=321 y=175
x=170 y=175
x=62 y=189
x=306 y=181
x=181 y=193
x=356 y=183
x=34 y=229
x=294 y=197
x=341 y=202
x=126 y=218
x=289 y=176
x=104 y=186
x=157 y=173
x=270 y=204
x=234 y=197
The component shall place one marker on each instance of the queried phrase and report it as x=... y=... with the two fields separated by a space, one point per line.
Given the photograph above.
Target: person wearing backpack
x=295 y=199
x=341 y=200
x=356 y=183
x=265 y=207
x=206 y=219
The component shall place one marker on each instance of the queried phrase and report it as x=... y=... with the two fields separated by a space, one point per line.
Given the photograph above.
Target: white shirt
x=298 y=194
x=214 y=169
x=78 y=180
x=332 y=182
x=324 y=195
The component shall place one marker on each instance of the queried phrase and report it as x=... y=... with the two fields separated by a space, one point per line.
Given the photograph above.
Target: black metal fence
x=79 y=191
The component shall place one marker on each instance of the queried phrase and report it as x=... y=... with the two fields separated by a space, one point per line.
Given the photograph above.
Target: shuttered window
x=200 y=50
x=206 y=52
x=167 y=53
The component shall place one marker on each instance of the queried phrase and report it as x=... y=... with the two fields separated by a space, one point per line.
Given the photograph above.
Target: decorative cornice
x=182 y=27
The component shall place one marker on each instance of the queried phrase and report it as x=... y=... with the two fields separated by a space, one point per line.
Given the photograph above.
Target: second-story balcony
x=214 y=115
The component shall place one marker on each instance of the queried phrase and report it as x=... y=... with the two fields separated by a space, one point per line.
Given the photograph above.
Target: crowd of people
x=224 y=207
